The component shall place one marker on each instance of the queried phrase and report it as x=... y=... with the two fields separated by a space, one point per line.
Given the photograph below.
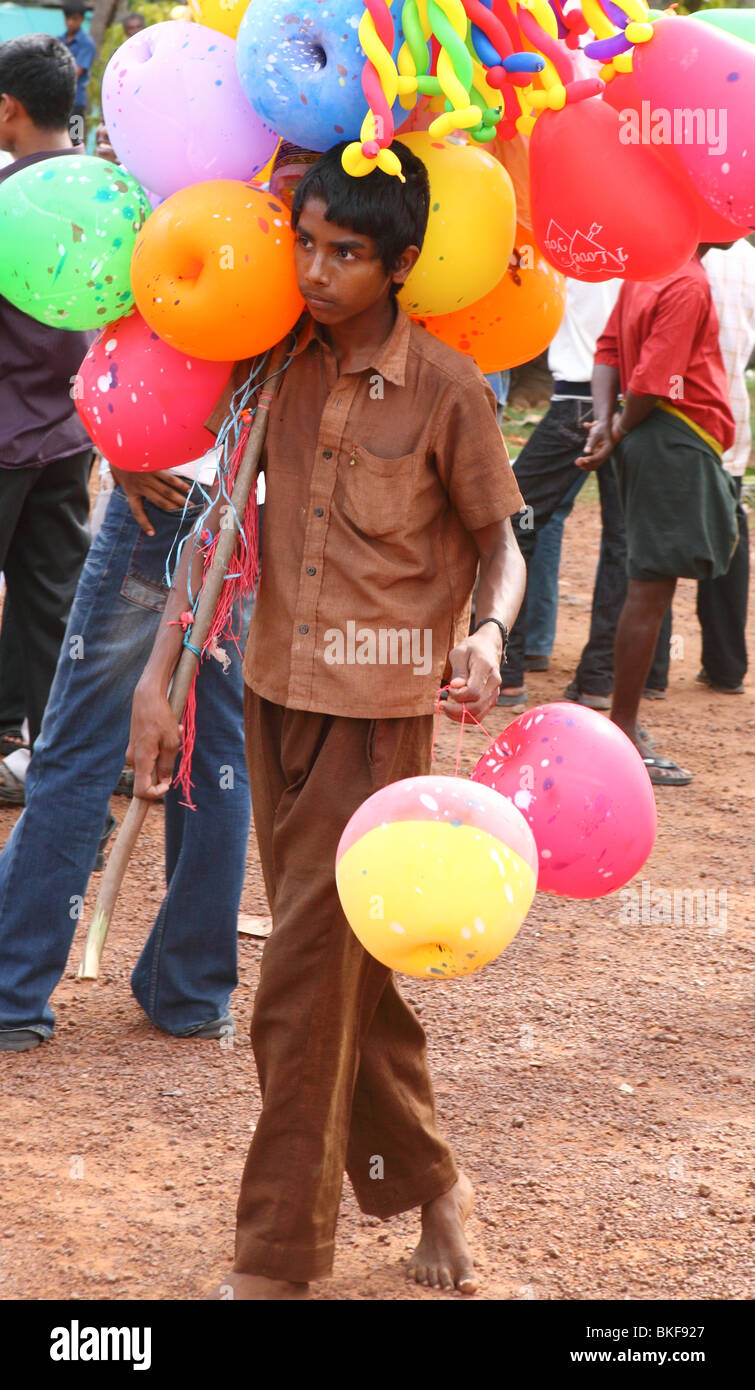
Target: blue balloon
x=302 y=71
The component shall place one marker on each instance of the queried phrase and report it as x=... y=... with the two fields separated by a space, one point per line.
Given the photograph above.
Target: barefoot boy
x=387 y=484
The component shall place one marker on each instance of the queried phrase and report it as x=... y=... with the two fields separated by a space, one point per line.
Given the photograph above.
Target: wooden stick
x=187 y=664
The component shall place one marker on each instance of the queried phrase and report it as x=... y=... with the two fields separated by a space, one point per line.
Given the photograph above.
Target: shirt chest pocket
x=378 y=491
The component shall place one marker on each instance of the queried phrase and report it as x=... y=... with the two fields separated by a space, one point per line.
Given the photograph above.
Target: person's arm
x=168 y=491
x=600 y=437
x=636 y=409
x=476 y=661
x=155 y=736
x=474 y=468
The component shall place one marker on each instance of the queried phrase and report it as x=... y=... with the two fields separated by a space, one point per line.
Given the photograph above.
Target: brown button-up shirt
x=374 y=482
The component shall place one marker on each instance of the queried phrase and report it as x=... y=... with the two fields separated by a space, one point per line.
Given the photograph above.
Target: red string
x=465 y=714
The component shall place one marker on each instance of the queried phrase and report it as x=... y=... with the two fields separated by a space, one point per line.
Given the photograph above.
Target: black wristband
x=504 y=632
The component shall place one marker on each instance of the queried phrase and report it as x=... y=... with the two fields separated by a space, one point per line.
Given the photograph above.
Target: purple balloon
x=175 y=111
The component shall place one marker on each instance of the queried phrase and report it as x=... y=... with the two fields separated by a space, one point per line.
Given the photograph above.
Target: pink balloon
x=175 y=111
x=694 y=67
x=584 y=791
x=143 y=403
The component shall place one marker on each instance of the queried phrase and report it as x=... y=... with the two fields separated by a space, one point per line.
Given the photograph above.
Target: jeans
x=542 y=578
x=187 y=969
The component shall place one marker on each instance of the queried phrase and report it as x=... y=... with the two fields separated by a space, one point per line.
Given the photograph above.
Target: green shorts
x=679 y=502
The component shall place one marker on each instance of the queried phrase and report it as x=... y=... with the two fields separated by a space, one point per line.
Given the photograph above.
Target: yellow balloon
x=225 y=15
x=432 y=899
x=470 y=231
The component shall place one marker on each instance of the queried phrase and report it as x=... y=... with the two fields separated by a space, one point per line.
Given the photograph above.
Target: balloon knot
x=370 y=149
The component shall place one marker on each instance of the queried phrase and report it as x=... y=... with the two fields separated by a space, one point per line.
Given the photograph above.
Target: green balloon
x=739 y=23
x=67 y=229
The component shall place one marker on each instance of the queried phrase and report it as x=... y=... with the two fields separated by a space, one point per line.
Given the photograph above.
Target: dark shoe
x=10 y=742
x=224 y=1027
x=12 y=791
x=663 y=773
x=650 y=694
x=537 y=663
x=578 y=697
x=110 y=825
x=19 y=1040
x=704 y=679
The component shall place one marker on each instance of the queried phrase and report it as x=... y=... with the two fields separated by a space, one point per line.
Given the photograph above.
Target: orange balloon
x=213 y=271
x=516 y=320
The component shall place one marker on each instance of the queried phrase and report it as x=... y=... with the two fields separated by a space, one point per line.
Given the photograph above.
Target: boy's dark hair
x=74 y=7
x=379 y=205
x=40 y=72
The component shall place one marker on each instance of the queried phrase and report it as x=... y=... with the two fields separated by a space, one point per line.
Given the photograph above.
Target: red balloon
x=584 y=791
x=601 y=208
x=624 y=95
x=143 y=403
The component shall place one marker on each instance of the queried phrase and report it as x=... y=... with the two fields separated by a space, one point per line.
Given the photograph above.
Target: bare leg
x=636 y=637
x=442 y=1259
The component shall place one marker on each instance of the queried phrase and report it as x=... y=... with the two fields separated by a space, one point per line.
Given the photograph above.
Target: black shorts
x=679 y=502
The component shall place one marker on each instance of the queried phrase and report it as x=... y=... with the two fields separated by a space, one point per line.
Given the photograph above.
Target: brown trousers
x=340 y=1055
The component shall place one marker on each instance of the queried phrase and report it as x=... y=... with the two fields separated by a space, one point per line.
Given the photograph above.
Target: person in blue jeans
x=186 y=972
x=542 y=585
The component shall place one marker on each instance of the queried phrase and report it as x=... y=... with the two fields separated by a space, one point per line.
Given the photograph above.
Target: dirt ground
x=593 y=1080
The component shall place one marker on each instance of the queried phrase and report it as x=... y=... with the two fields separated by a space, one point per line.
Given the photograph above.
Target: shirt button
x=304 y=629
x=327 y=453
x=319 y=511
x=311 y=569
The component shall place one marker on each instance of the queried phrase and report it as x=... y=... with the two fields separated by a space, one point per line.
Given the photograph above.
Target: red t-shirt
x=663 y=337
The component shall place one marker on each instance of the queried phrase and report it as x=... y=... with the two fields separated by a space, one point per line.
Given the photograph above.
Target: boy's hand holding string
x=476 y=662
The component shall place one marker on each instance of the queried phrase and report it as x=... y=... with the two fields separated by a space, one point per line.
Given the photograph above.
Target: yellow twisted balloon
x=353 y=159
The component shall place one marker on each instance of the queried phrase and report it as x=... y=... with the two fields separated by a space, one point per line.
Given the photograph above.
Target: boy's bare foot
x=443 y=1259
x=256 y=1288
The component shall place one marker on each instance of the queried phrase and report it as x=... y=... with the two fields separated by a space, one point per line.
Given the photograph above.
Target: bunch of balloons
x=437 y=874
x=632 y=129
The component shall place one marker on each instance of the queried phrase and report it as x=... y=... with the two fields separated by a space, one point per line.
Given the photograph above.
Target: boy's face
x=73 y=24
x=339 y=272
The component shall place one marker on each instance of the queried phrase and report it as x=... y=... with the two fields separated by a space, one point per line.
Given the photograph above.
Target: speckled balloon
x=175 y=111
x=143 y=403
x=470 y=230
x=516 y=321
x=301 y=68
x=213 y=272
x=436 y=875
x=67 y=229
x=584 y=791
x=701 y=69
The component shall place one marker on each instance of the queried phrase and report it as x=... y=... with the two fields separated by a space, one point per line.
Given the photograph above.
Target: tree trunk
x=102 y=17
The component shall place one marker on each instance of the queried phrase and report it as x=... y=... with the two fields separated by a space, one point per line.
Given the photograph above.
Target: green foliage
x=154 y=11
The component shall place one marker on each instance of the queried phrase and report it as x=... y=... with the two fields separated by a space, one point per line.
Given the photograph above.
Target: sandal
x=661 y=772
x=516 y=703
x=12 y=790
